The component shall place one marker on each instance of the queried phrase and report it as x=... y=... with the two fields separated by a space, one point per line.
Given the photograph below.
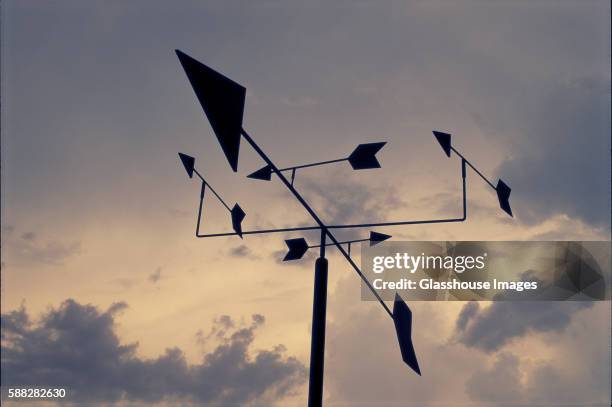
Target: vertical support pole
x=317 y=344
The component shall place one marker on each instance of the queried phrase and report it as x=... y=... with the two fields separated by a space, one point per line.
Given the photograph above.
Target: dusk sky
x=104 y=280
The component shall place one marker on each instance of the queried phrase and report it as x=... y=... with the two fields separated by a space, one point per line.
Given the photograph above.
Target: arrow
x=374 y=239
x=223 y=102
x=503 y=196
x=502 y=189
x=362 y=158
x=298 y=247
x=445 y=141
x=188 y=162
x=402 y=317
x=264 y=174
x=237 y=217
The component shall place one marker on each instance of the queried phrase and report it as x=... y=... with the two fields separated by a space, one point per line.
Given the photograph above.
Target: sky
x=103 y=278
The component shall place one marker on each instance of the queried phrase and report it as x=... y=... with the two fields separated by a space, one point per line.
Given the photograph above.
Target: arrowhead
x=264 y=174
x=445 y=141
x=223 y=102
x=237 y=217
x=402 y=317
x=297 y=248
x=376 y=238
x=503 y=195
x=188 y=162
x=364 y=156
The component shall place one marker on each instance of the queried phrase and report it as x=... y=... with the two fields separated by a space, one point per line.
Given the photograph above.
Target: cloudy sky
x=106 y=291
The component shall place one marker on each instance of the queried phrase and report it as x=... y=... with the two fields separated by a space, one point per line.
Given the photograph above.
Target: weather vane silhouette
x=223 y=102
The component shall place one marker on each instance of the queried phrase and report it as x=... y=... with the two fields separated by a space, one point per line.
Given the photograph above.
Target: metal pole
x=317 y=344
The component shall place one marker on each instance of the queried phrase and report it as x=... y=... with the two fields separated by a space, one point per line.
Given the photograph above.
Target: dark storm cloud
x=467 y=313
x=75 y=346
x=493 y=327
x=510 y=381
x=564 y=166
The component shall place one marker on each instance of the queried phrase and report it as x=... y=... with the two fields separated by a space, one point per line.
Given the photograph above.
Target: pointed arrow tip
x=222 y=100
x=188 y=162
x=376 y=238
x=264 y=174
x=445 y=141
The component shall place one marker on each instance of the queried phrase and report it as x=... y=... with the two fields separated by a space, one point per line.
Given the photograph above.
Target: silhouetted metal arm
x=296 y=167
x=352 y=225
x=315 y=217
x=212 y=190
x=465 y=161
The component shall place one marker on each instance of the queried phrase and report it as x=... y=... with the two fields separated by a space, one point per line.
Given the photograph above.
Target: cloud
x=572 y=365
x=124 y=283
x=498 y=384
x=75 y=346
x=242 y=251
x=339 y=199
x=28 y=236
x=30 y=249
x=156 y=275
x=495 y=326
x=565 y=129
x=467 y=313
x=577 y=372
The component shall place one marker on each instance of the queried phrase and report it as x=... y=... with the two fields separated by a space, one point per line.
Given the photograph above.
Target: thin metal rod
x=345 y=242
x=213 y=191
x=410 y=222
x=295 y=167
x=261 y=231
x=292 y=176
x=464 y=176
x=200 y=208
x=315 y=217
x=349 y=226
x=474 y=168
x=322 y=244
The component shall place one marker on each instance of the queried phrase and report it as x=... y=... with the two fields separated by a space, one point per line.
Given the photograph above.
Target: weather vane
x=223 y=102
